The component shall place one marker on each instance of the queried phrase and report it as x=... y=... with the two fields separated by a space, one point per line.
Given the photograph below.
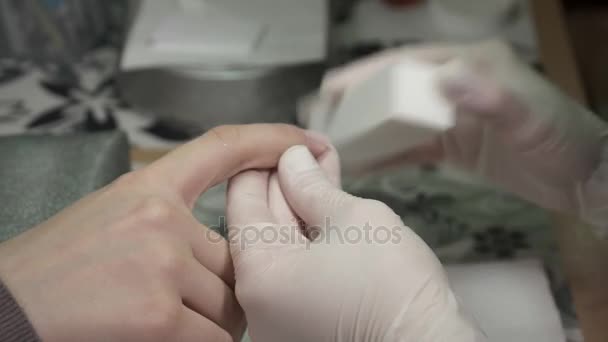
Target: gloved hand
x=363 y=277
x=130 y=263
x=513 y=127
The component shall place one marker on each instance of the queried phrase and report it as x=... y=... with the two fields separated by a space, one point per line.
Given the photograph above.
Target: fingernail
x=458 y=89
x=459 y=82
x=317 y=142
x=299 y=159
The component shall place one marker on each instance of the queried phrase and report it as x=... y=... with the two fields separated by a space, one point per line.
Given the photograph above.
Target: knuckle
x=154 y=210
x=312 y=181
x=338 y=199
x=316 y=188
x=371 y=212
x=169 y=262
x=227 y=134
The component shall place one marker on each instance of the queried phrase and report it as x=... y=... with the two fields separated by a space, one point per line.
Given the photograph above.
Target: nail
x=317 y=142
x=298 y=159
x=459 y=81
x=458 y=89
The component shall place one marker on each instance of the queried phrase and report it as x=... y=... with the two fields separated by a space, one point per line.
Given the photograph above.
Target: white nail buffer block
x=394 y=110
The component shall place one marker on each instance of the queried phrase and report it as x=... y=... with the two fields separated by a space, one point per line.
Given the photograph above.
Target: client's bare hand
x=130 y=263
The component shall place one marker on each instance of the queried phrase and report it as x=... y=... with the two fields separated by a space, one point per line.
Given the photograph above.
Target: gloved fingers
x=330 y=164
x=506 y=117
x=329 y=161
x=206 y=294
x=278 y=204
x=192 y=327
x=474 y=91
x=309 y=191
x=338 y=80
x=464 y=144
x=251 y=222
x=289 y=223
x=247 y=198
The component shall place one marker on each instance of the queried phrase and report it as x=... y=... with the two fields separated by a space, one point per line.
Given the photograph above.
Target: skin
x=129 y=262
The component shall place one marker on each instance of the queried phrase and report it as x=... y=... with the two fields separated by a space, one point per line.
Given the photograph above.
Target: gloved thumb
x=475 y=92
x=308 y=190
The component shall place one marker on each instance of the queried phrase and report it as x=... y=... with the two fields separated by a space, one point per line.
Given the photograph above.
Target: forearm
x=14 y=325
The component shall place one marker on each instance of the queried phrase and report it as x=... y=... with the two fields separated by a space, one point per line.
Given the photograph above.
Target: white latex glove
x=513 y=127
x=365 y=277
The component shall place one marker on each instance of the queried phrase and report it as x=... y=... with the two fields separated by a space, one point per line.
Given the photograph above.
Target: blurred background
x=174 y=63
x=162 y=72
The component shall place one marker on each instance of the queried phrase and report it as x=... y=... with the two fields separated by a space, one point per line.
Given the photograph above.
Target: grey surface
x=199 y=99
x=40 y=175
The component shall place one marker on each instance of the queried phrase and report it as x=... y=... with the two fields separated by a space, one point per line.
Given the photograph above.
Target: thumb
x=308 y=190
x=475 y=92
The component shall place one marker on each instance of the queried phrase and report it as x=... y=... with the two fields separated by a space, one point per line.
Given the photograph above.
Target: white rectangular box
x=396 y=109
